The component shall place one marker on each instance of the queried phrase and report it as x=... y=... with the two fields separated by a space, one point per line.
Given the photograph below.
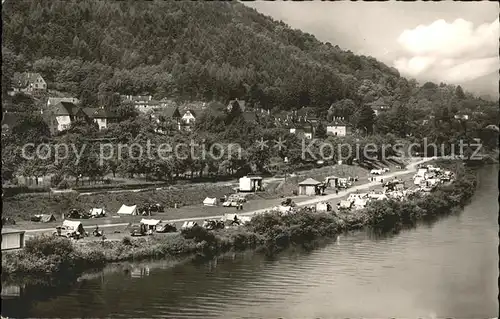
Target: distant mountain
x=187 y=50
x=484 y=86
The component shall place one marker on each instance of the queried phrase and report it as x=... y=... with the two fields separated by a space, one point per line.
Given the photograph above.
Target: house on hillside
x=241 y=104
x=188 y=120
x=302 y=130
x=143 y=103
x=52 y=101
x=60 y=117
x=29 y=83
x=380 y=105
x=338 y=127
x=461 y=116
x=305 y=114
x=9 y=120
x=168 y=117
x=283 y=119
x=101 y=117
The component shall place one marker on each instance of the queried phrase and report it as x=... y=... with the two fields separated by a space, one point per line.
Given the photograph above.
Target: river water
x=447 y=269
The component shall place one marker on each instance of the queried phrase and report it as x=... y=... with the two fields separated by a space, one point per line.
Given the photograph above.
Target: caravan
x=210 y=201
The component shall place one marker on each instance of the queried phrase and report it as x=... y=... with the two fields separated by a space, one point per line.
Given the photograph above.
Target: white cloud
x=451 y=52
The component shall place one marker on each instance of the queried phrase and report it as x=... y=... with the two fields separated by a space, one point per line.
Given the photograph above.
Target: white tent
x=70 y=224
x=229 y=216
x=322 y=207
x=150 y=222
x=127 y=210
x=345 y=204
x=243 y=219
x=97 y=212
x=210 y=201
x=188 y=225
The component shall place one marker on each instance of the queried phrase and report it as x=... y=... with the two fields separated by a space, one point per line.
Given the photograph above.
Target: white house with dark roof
x=379 y=106
x=338 y=127
x=63 y=114
x=100 y=116
x=29 y=83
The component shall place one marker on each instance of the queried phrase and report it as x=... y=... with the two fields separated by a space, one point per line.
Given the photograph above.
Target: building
x=188 y=120
x=143 y=103
x=101 y=117
x=283 y=119
x=241 y=104
x=379 y=106
x=338 y=127
x=12 y=239
x=52 y=101
x=309 y=187
x=461 y=116
x=168 y=117
x=29 y=83
x=60 y=117
x=250 y=184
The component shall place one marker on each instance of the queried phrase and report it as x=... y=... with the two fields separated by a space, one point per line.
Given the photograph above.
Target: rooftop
x=310 y=181
x=12 y=231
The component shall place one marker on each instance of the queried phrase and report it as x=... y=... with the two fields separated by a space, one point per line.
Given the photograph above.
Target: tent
x=74 y=226
x=96 y=212
x=188 y=225
x=345 y=204
x=127 y=210
x=47 y=218
x=210 y=201
x=323 y=207
x=242 y=219
x=151 y=223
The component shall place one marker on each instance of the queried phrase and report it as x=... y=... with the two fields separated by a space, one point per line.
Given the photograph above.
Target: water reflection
x=140 y=272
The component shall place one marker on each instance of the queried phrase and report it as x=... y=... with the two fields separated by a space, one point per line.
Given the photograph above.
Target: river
x=447 y=269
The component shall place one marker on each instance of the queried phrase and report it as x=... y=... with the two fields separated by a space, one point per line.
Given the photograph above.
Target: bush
x=48 y=245
x=198 y=234
x=126 y=241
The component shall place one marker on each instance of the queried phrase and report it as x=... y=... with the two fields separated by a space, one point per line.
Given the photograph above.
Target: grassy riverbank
x=271 y=232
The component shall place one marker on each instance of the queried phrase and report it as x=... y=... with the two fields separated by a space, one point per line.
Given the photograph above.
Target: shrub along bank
x=269 y=231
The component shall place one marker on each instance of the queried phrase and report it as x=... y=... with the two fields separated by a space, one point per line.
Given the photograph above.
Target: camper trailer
x=250 y=184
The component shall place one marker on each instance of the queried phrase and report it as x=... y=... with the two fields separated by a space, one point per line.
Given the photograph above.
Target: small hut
x=309 y=187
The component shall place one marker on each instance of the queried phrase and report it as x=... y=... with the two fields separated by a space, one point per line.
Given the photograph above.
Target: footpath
x=409 y=169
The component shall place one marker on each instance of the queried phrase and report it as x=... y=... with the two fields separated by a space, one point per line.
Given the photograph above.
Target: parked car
x=233 y=202
x=147 y=209
x=70 y=229
x=77 y=214
x=213 y=224
x=166 y=228
x=156 y=207
x=138 y=230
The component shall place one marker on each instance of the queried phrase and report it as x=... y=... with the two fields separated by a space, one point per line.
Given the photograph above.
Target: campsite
x=116 y=224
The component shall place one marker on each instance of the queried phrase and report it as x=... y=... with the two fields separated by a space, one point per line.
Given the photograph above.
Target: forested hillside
x=213 y=52
x=189 y=50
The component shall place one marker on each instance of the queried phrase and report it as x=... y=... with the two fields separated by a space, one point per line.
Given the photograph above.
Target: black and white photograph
x=250 y=159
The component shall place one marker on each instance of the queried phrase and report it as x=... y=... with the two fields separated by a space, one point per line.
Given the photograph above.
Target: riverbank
x=268 y=232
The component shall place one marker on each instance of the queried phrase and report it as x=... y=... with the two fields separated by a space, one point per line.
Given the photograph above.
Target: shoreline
x=268 y=232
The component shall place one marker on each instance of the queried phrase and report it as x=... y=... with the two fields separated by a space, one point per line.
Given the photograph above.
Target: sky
x=453 y=42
